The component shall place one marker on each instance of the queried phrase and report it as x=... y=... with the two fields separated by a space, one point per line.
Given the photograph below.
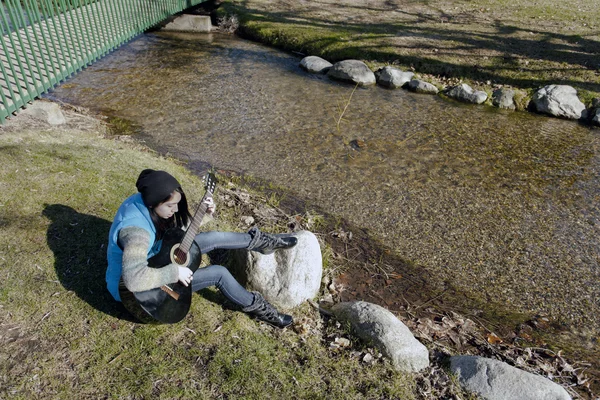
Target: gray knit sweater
x=136 y=274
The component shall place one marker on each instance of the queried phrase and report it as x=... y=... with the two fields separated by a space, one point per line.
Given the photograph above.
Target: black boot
x=266 y=243
x=264 y=311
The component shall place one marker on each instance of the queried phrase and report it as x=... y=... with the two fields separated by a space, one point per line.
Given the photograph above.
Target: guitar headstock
x=210 y=182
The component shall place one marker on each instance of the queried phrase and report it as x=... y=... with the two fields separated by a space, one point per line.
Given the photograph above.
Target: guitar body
x=159 y=305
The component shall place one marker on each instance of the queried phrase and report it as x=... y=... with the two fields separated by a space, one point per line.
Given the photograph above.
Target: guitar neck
x=194 y=227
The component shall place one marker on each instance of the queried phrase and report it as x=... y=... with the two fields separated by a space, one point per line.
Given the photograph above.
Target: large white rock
x=45 y=111
x=392 y=77
x=315 y=65
x=190 y=23
x=496 y=380
x=354 y=71
x=558 y=101
x=377 y=325
x=287 y=277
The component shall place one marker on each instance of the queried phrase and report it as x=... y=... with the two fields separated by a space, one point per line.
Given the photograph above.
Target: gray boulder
x=466 y=94
x=45 y=111
x=377 y=325
x=559 y=101
x=422 y=87
x=504 y=98
x=352 y=71
x=392 y=77
x=496 y=380
x=285 y=278
x=315 y=65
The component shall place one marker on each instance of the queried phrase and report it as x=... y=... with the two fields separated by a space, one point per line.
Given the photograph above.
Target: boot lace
x=268 y=312
x=273 y=241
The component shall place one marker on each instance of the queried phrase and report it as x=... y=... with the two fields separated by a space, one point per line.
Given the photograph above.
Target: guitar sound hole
x=180 y=257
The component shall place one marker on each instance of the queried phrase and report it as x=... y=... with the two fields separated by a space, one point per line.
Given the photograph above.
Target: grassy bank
x=62 y=336
x=485 y=43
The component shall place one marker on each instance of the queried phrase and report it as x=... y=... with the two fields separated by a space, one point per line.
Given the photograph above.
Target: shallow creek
x=500 y=204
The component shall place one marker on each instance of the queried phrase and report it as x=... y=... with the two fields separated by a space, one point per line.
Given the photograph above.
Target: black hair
x=180 y=219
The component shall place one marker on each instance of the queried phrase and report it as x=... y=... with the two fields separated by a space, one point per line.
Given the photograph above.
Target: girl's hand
x=185 y=275
x=210 y=205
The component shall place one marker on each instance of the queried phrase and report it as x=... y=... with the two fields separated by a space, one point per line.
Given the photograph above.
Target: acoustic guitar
x=170 y=303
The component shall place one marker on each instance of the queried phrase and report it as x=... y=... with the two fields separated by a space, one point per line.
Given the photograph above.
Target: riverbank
x=486 y=44
x=64 y=336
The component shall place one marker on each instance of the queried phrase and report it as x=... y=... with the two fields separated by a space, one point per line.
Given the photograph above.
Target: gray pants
x=217 y=275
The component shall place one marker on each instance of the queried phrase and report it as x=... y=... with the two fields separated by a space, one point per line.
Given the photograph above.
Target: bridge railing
x=44 y=42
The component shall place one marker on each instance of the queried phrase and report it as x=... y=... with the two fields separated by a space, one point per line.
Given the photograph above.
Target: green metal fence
x=44 y=42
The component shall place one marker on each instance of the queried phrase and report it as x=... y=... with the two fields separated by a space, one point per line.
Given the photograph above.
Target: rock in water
x=352 y=71
x=559 y=101
x=315 y=65
x=392 y=77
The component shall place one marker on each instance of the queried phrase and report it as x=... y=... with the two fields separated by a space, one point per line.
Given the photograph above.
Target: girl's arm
x=137 y=276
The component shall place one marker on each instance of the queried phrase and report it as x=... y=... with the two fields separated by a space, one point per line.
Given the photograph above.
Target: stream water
x=502 y=204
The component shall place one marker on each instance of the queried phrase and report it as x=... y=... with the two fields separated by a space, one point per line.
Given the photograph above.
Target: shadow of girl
x=78 y=242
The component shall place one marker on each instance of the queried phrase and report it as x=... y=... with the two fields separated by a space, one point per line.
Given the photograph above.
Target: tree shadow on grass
x=565 y=53
x=79 y=242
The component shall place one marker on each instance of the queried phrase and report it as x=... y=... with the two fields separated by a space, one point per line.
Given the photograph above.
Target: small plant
x=522 y=99
x=314 y=221
x=228 y=23
x=274 y=200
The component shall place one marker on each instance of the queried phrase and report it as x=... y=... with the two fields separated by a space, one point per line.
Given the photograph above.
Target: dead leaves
x=342 y=234
x=306 y=221
x=340 y=343
x=333 y=287
x=435 y=383
x=493 y=339
x=452 y=333
x=306 y=326
x=369 y=356
x=453 y=330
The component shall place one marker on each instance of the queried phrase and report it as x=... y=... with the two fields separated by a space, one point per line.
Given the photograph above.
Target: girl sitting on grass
x=135 y=236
